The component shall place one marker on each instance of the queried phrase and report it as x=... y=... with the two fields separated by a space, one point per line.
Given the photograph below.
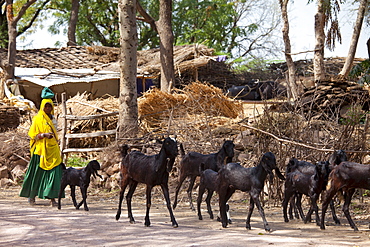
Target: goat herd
x=336 y=175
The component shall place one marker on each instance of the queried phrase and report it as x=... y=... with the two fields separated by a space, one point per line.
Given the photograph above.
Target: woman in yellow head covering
x=44 y=172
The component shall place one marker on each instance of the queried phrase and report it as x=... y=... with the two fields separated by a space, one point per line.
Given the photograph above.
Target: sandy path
x=23 y=225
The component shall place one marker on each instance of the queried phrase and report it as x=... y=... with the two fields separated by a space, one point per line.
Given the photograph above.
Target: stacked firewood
x=9 y=118
x=333 y=99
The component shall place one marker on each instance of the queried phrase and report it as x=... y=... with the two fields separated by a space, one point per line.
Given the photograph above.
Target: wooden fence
x=68 y=119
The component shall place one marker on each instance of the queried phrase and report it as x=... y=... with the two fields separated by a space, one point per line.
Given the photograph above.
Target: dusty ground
x=24 y=225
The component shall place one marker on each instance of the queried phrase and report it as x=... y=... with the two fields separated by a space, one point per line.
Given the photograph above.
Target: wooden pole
x=64 y=125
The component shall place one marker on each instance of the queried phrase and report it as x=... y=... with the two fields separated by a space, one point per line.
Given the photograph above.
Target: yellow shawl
x=48 y=149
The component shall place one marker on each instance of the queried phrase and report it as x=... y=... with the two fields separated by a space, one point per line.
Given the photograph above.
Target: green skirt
x=39 y=182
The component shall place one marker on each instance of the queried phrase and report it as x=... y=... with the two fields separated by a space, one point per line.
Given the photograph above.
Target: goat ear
x=278 y=173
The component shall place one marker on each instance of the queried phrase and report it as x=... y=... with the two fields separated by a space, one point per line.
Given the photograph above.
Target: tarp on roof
x=48 y=78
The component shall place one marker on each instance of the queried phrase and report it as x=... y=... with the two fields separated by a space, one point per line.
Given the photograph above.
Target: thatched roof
x=107 y=58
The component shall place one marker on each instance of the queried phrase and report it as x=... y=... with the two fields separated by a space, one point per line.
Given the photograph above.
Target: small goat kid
x=347 y=176
x=151 y=170
x=307 y=179
x=189 y=166
x=233 y=177
x=210 y=181
x=335 y=159
x=78 y=177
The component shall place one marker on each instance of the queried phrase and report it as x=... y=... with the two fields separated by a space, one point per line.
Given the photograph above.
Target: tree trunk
x=166 y=38
x=318 y=61
x=9 y=65
x=128 y=118
x=354 y=41
x=12 y=45
x=73 y=23
x=292 y=86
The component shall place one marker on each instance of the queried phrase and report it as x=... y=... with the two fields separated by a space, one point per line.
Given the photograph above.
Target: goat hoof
x=86 y=209
x=175 y=225
x=230 y=222
x=218 y=219
x=224 y=225
x=200 y=218
x=268 y=230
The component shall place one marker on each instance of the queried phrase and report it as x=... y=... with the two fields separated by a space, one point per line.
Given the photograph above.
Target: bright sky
x=301 y=18
x=302 y=33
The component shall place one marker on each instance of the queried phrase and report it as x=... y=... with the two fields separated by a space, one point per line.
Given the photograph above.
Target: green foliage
x=147 y=37
x=366 y=193
x=211 y=22
x=355 y=115
x=361 y=72
x=76 y=161
x=97 y=22
x=241 y=65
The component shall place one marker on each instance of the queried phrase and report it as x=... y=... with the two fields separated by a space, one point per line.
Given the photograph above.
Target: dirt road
x=23 y=225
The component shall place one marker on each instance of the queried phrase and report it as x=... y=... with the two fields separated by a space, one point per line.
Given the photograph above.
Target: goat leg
x=332 y=207
x=299 y=207
x=199 y=200
x=168 y=203
x=62 y=188
x=130 y=192
x=208 y=201
x=118 y=215
x=287 y=198
x=189 y=191
x=178 y=187
x=222 y=200
x=327 y=198
x=292 y=207
x=348 y=196
x=123 y=186
x=84 y=196
x=261 y=211
x=148 y=204
x=250 y=211
x=73 y=195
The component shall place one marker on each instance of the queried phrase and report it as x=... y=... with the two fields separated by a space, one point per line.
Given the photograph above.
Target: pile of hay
x=156 y=106
x=80 y=105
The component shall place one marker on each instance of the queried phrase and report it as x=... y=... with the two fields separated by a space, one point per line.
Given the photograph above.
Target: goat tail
x=63 y=166
x=201 y=168
x=182 y=151
x=124 y=150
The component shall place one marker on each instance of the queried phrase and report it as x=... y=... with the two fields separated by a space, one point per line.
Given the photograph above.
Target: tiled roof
x=106 y=58
x=77 y=57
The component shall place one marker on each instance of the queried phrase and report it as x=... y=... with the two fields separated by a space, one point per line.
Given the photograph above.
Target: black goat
x=347 y=176
x=78 y=177
x=210 y=181
x=308 y=168
x=189 y=166
x=151 y=170
x=305 y=182
x=336 y=158
x=233 y=177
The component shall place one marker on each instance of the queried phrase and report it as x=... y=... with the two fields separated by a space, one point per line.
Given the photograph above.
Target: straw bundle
x=156 y=106
x=79 y=105
x=156 y=110
x=208 y=99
